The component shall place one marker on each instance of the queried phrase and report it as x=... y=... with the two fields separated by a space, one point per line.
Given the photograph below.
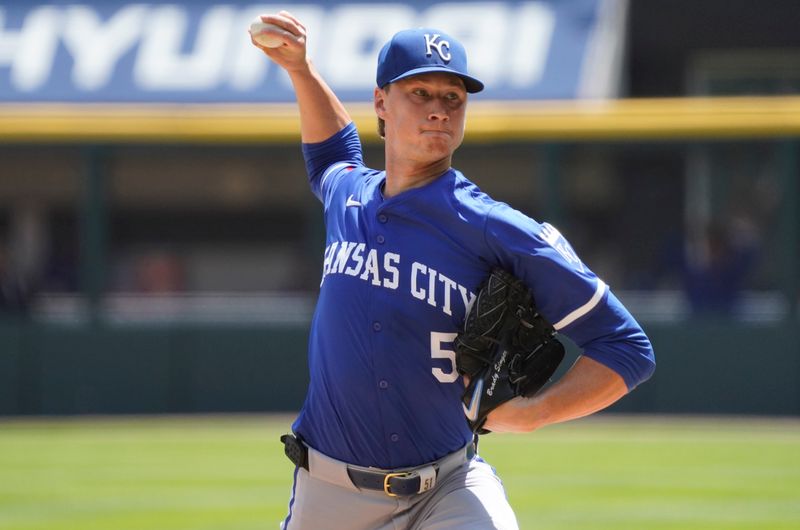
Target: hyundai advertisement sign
x=114 y=51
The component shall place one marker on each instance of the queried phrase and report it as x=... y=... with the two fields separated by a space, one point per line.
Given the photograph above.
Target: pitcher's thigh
x=471 y=500
x=316 y=505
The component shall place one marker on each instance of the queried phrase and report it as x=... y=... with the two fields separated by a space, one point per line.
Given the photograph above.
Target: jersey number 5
x=438 y=352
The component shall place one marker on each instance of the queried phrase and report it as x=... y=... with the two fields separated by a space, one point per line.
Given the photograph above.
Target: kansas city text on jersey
x=383 y=270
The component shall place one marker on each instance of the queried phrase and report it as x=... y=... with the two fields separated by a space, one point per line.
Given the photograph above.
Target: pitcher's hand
x=292 y=54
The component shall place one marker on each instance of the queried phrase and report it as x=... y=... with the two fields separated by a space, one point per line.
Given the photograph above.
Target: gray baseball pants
x=466 y=495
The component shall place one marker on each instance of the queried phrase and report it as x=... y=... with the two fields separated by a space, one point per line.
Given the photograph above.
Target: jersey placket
x=381 y=322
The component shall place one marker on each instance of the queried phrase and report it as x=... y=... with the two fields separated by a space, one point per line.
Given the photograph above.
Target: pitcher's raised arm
x=321 y=113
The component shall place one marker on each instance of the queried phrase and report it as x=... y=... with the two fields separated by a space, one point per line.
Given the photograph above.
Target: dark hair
x=381 y=123
x=381 y=128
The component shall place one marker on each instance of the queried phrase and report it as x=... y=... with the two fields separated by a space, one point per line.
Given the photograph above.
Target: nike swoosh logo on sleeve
x=352 y=202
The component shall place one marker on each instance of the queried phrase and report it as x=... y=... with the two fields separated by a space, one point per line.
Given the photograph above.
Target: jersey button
x=384 y=384
x=394 y=437
x=380 y=239
x=377 y=326
x=382 y=218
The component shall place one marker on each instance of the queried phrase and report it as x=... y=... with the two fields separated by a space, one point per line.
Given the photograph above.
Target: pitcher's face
x=424 y=115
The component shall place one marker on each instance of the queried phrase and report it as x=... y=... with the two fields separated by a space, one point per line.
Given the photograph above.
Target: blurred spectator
x=159 y=272
x=717 y=263
x=14 y=291
x=61 y=270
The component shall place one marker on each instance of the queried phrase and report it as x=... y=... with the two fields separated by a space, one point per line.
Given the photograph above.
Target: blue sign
x=200 y=51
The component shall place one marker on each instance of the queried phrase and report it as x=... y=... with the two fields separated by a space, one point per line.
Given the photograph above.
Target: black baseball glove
x=506 y=348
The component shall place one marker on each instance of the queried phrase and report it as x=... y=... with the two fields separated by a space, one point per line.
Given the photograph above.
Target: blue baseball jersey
x=398 y=276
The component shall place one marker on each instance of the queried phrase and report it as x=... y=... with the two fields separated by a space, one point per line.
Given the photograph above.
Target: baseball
x=268 y=40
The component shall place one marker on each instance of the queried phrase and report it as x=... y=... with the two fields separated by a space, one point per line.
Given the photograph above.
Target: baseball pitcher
x=439 y=310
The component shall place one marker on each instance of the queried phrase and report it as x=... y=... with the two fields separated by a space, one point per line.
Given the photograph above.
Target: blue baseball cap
x=423 y=50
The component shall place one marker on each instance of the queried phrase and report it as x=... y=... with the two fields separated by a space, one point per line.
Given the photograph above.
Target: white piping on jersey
x=330 y=170
x=585 y=308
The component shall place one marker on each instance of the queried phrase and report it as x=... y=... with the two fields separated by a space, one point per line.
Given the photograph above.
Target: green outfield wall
x=703 y=367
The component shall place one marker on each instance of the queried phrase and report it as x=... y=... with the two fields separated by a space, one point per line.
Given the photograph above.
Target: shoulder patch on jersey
x=554 y=238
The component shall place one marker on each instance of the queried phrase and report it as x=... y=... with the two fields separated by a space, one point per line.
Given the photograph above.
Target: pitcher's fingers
x=293 y=19
x=278 y=28
x=285 y=23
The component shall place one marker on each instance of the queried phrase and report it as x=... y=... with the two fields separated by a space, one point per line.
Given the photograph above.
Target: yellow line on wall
x=629 y=119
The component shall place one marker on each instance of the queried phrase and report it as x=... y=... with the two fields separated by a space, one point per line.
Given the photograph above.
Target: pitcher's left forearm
x=586 y=388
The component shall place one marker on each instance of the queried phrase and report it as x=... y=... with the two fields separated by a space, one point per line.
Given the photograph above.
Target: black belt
x=392 y=483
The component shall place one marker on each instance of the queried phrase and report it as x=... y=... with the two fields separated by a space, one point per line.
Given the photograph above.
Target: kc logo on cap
x=420 y=51
x=431 y=41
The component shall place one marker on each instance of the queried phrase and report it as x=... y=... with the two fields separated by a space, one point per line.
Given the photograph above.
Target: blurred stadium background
x=160 y=251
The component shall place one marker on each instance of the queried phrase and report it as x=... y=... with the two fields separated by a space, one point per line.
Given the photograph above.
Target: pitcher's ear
x=380 y=102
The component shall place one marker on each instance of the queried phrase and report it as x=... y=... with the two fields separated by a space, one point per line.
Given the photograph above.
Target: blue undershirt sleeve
x=341 y=150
